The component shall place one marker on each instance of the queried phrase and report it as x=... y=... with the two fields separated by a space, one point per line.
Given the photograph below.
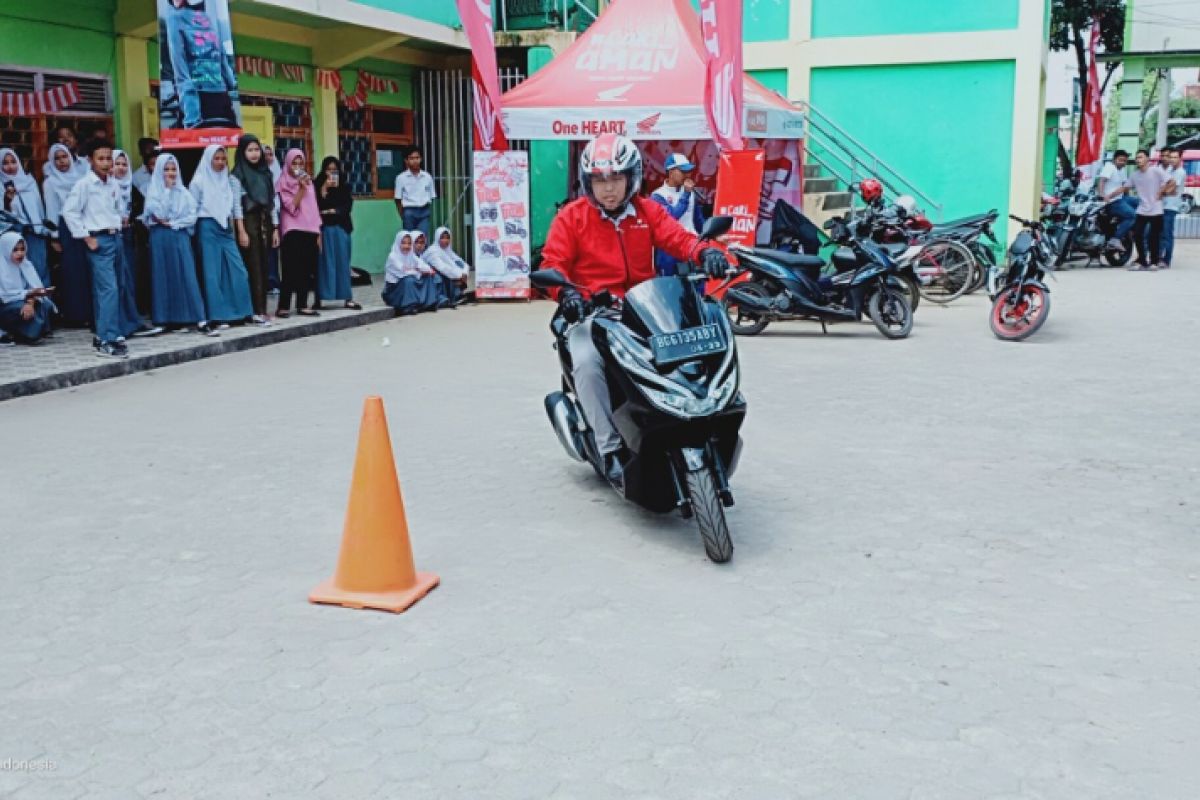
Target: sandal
x=353 y=306
x=282 y=314
x=307 y=312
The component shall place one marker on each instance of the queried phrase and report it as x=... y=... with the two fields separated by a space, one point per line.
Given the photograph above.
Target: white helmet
x=609 y=154
x=907 y=204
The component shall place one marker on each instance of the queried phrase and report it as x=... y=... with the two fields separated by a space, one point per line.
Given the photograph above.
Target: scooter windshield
x=662 y=305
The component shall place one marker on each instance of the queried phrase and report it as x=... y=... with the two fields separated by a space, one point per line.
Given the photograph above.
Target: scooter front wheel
x=710 y=515
x=891 y=313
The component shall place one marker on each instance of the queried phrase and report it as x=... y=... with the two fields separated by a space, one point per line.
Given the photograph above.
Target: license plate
x=689 y=343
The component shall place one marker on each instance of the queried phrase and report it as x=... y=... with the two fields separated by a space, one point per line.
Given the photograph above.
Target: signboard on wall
x=502 y=252
x=198 y=100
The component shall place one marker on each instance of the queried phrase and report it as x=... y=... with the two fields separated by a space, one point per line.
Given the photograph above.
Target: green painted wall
x=962 y=112
x=549 y=163
x=443 y=12
x=1050 y=150
x=82 y=47
x=885 y=17
x=775 y=79
x=762 y=20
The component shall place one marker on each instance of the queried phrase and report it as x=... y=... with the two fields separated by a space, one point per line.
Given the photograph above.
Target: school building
x=943 y=100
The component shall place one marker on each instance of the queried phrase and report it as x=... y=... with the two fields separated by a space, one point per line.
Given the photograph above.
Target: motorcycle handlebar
x=1025 y=222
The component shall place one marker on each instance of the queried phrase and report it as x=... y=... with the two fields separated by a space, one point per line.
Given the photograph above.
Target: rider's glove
x=570 y=303
x=714 y=262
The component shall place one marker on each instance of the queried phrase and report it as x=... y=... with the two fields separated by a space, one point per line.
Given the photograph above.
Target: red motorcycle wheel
x=1018 y=313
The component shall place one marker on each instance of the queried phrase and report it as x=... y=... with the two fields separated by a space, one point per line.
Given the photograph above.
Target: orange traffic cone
x=375 y=567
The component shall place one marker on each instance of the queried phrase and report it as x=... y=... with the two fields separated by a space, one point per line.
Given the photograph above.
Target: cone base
x=395 y=602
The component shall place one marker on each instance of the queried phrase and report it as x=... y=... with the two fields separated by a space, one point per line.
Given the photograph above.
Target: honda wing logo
x=649 y=126
x=614 y=95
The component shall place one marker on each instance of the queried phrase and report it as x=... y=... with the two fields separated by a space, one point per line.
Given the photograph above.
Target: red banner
x=476 y=18
x=721 y=27
x=1090 y=154
x=739 y=192
x=50 y=101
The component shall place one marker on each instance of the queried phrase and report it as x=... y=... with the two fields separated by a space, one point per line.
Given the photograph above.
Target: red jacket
x=594 y=253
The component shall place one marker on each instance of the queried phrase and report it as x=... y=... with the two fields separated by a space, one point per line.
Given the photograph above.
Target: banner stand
x=501 y=229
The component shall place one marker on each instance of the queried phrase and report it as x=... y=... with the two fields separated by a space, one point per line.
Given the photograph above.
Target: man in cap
x=678 y=196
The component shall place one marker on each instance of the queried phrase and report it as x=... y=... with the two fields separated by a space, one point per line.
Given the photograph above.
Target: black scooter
x=786 y=286
x=673 y=376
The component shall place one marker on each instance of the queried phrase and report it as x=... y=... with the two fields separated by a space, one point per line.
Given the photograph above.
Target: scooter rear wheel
x=743 y=321
x=710 y=515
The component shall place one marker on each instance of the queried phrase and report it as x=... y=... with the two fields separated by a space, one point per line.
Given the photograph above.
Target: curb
x=116 y=369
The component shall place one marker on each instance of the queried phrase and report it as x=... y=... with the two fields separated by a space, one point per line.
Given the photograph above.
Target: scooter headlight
x=684 y=405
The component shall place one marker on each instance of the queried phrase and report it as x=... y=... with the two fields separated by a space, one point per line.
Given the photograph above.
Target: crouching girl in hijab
x=25 y=305
x=433 y=296
x=169 y=215
x=452 y=269
x=402 y=288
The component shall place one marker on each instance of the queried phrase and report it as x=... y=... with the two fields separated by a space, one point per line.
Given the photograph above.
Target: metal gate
x=444 y=128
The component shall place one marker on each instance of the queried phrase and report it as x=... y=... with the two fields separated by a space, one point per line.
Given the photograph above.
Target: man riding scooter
x=605 y=241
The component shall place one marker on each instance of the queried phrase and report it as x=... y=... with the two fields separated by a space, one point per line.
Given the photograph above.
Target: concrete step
x=812 y=171
x=820 y=185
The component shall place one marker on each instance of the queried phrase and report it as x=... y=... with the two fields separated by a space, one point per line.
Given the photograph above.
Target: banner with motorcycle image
x=198 y=93
x=502 y=250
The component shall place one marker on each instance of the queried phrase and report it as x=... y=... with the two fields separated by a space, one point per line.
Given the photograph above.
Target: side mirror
x=549 y=279
x=715 y=227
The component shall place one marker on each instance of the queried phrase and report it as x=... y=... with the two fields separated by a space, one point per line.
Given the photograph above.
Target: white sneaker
x=224 y=326
x=260 y=320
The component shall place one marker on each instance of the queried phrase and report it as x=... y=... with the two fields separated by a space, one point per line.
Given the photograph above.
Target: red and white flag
x=1090 y=154
x=476 y=18
x=721 y=27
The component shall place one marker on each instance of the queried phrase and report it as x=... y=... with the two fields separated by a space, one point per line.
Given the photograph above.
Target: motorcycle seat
x=798 y=260
x=964 y=222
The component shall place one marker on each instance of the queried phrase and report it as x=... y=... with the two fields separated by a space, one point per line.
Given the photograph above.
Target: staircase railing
x=849 y=161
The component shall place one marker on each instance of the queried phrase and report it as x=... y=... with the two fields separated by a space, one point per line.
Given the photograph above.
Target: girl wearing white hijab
x=402 y=280
x=25 y=305
x=226 y=282
x=75 y=276
x=453 y=269
x=175 y=298
x=23 y=199
x=122 y=173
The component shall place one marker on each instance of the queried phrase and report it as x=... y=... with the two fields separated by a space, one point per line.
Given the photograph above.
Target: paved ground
x=964 y=569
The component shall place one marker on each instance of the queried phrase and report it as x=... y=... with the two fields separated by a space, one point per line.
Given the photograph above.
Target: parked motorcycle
x=673 y=373
x=1021 y=299
x=1085 y=231
x=774 y=286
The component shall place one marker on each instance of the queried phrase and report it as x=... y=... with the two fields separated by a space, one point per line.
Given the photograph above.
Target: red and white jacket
x=597 y=252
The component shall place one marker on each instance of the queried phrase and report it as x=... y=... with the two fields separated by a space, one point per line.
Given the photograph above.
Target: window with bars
x=292 y=120
x=29 y=134
x=371 y=145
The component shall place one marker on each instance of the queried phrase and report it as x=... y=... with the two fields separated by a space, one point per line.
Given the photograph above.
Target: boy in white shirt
x=1172 y=201
x=1112 y=186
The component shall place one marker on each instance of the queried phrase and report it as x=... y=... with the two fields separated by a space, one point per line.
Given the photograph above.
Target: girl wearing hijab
x=257 y=232
x=273 y=265
x=74 y=276
x=23 y=200
x=170 y=213
x=226 y=285
x=123 y=174
x=25 y=305
x=335 y=201
x=300 y=221
x=66 y=136
x=402 y=288
x=430 y=283
x=447 y=263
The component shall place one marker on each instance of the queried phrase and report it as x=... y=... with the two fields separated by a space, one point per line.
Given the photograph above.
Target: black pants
x=298 y=262
x=1149 y=256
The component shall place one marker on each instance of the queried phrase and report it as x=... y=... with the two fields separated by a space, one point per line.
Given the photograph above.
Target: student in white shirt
x=1112 y=186
x=23 y=199
x=678 y=196
x=94 y=212
x=25 y=304
x=415 y=194
x=1172 y=201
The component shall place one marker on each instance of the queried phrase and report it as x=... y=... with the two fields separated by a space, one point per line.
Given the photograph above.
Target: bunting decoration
x=50 y=101
x=266 y=68
x=331 y=79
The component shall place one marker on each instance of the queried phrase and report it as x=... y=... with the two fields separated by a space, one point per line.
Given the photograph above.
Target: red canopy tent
x=639 y=70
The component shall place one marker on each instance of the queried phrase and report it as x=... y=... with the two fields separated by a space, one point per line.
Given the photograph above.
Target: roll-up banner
x=198 y=94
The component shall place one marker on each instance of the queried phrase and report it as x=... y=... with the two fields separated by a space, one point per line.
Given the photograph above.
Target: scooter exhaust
x=564 y=418
x=750 y=301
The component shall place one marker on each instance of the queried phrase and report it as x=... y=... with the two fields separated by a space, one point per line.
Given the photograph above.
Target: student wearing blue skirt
x=335 y=202
x=23 y=200
x=74 y=280
x=402 y=288
x=226 y=282
x=433 y=296
x=169 y=215
x=25 y=304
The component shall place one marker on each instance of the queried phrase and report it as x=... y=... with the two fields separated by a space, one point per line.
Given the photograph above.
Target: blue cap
x=678 y=161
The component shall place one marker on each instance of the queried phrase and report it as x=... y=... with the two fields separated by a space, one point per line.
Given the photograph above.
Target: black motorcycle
x=673 y=375
x=1084 y=231
x=1020 y=297
x=786 y=286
